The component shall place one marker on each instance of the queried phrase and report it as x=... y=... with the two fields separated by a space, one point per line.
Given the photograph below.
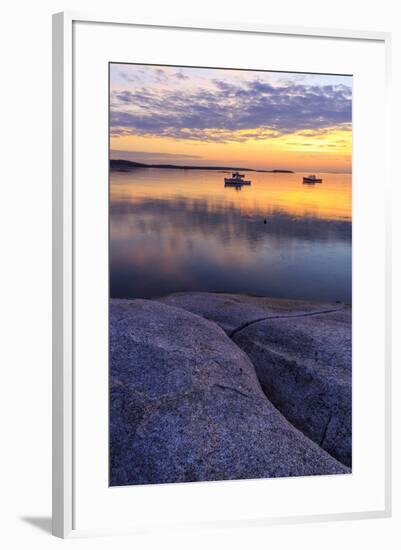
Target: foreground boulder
x=302 y=355
x=304 y=367
x=186 y=405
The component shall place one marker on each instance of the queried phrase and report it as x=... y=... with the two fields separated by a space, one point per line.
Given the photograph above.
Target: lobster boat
x=312 y=179
x=236 y=179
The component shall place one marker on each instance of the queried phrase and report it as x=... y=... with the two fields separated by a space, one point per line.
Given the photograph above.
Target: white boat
x=237 y=179
x=312 y=179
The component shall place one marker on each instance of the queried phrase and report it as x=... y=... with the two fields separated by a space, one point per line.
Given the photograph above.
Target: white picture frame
x=66 y=458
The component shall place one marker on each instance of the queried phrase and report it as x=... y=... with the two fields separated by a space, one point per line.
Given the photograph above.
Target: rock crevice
x=272 y=317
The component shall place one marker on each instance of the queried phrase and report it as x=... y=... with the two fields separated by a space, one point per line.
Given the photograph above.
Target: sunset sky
x=252 y=119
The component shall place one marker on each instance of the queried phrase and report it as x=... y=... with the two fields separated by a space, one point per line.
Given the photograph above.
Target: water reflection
x=177 y=230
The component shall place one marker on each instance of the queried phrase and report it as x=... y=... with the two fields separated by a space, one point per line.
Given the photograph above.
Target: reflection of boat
x=312 y=179
x=236 y=186
x=236 y=180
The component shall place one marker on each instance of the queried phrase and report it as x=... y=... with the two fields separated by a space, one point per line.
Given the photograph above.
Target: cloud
x=230 y=112
x=159 y=75
x=181 y=76
x=147 y=156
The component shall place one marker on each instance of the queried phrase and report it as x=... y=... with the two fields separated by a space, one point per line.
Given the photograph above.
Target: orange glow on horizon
x=299 y=151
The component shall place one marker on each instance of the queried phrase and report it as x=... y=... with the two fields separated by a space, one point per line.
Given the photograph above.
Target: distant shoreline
x=122 y=165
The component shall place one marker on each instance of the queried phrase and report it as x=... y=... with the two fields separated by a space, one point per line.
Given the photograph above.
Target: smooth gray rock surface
x=304 y=367
x=234 y=311
x=302 y=355
x=186 y=405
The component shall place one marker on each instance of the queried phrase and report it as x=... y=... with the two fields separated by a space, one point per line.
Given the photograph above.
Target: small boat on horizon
x=312 y=179
x=237 y=179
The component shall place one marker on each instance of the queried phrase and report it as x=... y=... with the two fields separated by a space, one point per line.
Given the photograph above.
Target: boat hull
x=231 y=181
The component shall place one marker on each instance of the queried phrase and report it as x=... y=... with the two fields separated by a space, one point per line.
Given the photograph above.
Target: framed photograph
x=221 y=296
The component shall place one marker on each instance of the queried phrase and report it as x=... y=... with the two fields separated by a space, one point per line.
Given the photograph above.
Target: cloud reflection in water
x=177 y=241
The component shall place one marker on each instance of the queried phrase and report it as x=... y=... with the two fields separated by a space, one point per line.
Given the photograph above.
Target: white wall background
x=25 y=304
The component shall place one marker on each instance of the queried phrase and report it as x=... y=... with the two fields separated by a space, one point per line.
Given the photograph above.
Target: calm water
x=177 y=230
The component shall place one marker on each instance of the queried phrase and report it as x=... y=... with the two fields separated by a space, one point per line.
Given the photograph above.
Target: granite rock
x=186 y=405
x=232 y=312
x=302 y=355
x=304 y=367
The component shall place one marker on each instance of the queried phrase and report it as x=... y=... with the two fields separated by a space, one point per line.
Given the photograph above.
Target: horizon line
x=222 y=167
